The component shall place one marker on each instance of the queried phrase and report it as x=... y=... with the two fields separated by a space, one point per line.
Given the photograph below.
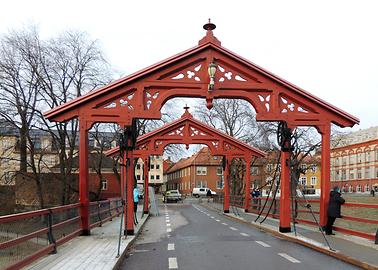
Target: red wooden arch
x=142 y=95
x=187 y=130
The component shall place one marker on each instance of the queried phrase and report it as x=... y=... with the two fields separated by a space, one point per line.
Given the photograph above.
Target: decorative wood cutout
x=177 y=132
x=158 y=143
x=150 y=97
x=265 y=99
x=144 y=146
x=229 y=75
x=215 y=144
x=189 y=74
x=126 y=101
x=196 y=132
x=287 y=105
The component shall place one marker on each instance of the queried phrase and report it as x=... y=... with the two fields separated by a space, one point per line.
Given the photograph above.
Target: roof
x=205 y=44
x=202 y=157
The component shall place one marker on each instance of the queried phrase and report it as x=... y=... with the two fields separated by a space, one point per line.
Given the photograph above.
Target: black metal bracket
x=284 y=136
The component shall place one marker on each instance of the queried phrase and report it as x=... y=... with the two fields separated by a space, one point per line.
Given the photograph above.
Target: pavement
x=194 y=236
x=95 y=252
x=351 y=249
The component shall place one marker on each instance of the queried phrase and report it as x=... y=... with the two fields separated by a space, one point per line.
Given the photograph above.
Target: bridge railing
x=26 y=237
x=357 y=219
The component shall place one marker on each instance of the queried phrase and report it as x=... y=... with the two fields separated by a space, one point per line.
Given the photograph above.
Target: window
x=104 y=184
x=359 y=157
x=303 y=181
x=367 y=173
x=37 y=143
x=220 y=184
x=157 y=166
x=138 y=166
x=269 y=167
x=350 y=188
x=367 y=188
x=152 y=177
x=367 y=156
x=313 y=168
x=254 y=170
x=351 y=174
x=201 y=170
x=313 y=180
x=202 y=184
x=138 y=177
x=343 y=174
x=344 y=161
x=219 y=170
x=157 y=177
x=376 y=172
x=359 y=174
x=376 y=154
x=337 y=175
x=152 y=166
x=359 y=188
x=351 y=159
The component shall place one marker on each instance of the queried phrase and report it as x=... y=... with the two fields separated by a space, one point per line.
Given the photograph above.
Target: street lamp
x=211 y=70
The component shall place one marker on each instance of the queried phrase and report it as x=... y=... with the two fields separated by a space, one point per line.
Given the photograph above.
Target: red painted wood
x=83 y=177
x=247 y=184
x=226 y=172
x=325 y=184
x=145 y=171
x=285 y=214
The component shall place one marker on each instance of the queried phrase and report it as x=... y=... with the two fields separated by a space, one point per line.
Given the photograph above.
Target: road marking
x=212 y=217
x=171 y=246
x=172 y=263
x=244 y=234
x=232 y=228
x=168 y=235
x=225 y=224
x=289 y=258
x=217 y=220
x=168 y=224
x=169 y=230
x=262 y=243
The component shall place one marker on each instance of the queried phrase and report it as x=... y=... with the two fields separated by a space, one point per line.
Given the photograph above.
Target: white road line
x=168 y=224
x=168 y=235
x=225 y=224
x=212 y=217
x=217 y=220
x=262 y=243
x=289 y=258
x=172 y=263
x=169 y=230
x=232 y=228
x=171 y=246
x=244 y=234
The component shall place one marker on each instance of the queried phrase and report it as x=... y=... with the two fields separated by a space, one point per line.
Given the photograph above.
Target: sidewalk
x=352 y=249
x=95 y=252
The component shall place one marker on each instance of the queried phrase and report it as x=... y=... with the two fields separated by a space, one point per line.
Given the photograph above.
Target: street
x=189 y=236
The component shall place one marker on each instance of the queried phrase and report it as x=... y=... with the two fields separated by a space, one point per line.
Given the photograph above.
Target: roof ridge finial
x=209 y=27
x=187 y=113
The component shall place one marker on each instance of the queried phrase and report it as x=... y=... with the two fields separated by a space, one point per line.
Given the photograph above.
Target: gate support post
x=285 y=192
x=129 y=194
x=226 y=202
x=325 y=184
x=146 y=168
x=247 y=184
x=83 y=177
x=125 y=202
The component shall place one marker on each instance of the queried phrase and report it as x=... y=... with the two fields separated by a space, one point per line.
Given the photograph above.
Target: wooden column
x=129 y=194
x=124 y=170
x=247 y=184
x=325 y=184
x=146 y=169
x=83 y=178
x=226 y=201
x=285 y=192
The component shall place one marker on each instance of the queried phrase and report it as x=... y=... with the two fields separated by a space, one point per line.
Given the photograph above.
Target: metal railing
x=357 y=219
x=28 y=236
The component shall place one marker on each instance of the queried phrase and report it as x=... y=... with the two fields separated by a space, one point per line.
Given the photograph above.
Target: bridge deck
x=95 y=252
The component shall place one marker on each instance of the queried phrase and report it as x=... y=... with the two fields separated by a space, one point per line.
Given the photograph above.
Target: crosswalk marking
x=289 y=258
x=262 y=243
x=171 y=246
x=172 y=263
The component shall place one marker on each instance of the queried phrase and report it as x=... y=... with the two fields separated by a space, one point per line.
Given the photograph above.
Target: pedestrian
x=372 y=192
x=208 y=195
x=136 y=200
x=334 y=209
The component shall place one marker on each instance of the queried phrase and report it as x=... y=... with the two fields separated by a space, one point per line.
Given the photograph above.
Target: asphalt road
x=188 y=236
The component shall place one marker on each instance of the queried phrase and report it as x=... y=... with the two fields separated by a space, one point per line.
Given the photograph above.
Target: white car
x=197 y=192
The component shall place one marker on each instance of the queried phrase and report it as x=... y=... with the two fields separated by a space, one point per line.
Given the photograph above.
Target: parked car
x=197 y=192
x=172 y=195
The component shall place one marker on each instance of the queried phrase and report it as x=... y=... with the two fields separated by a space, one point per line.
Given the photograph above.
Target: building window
x=350 y=188
x=157 y=177
x=359 y=174
x=269 y=167
x=254 y=170
x=138 y=166
x=376 y=154
x=367 y=156
x=344 y=161
x=220 y=184
x=219 y=170
x=359 y=189
x=367 y=188
x=138 y=177
x=376 y=172
x=313 y=168
x=201 y=170
x=303 y=180
x=359 y=157
x=37 y=143
x=337 y=175
x=367 y=173
x=343 y=174
x=313 y=180
x=157 y=166
x=351 y=174
x=152 y=166
x=152 y=177
x=104 y=184
x=351 y=159
x=202 y=184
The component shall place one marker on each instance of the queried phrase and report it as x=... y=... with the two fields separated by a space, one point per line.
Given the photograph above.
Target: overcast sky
x=329 y=48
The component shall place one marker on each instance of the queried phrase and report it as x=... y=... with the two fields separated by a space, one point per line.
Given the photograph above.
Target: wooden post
x=285 y=193
x=83 y=177
x=325 y=184
x=226 y=202
x=247 y=184
x=145 y=173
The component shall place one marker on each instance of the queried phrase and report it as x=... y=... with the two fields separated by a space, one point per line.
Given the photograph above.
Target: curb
x=124 y=252
x=328 y=252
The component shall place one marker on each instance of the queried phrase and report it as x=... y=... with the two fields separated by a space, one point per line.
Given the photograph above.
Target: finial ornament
x=209 y=26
